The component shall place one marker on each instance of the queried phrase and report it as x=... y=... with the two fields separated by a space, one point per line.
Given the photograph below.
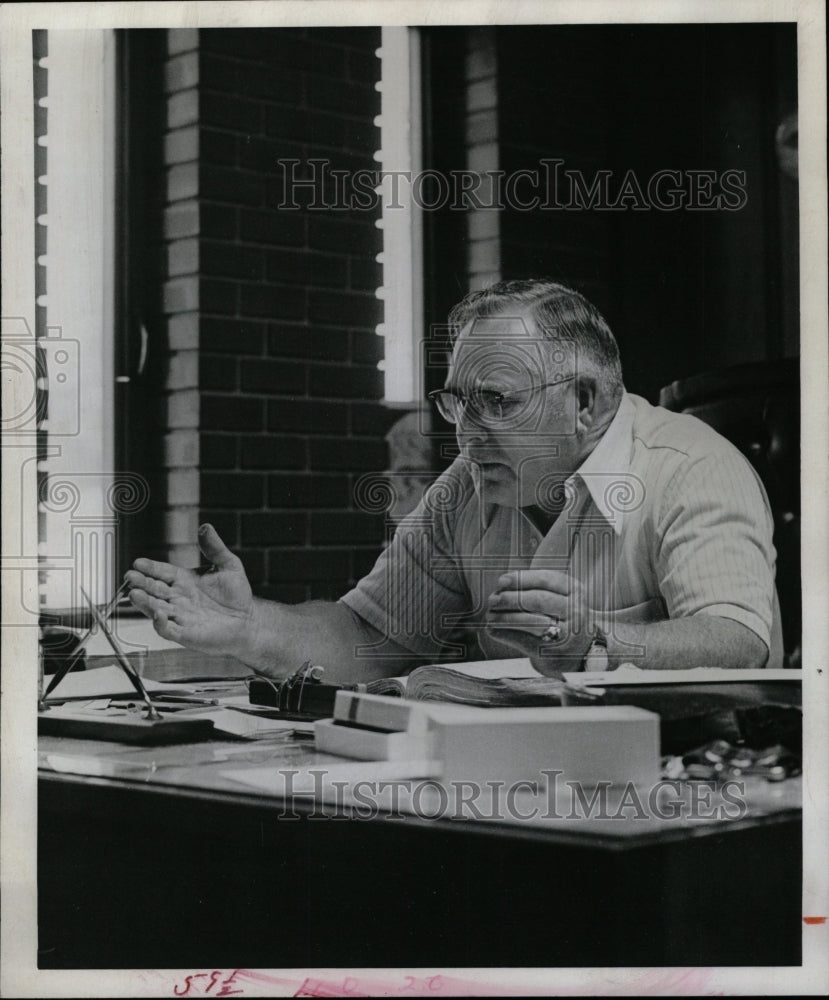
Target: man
x=579 y=526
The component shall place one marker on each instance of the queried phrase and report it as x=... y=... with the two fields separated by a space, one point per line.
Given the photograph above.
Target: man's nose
x=468 y=430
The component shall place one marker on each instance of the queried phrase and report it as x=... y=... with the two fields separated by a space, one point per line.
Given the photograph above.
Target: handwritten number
x=214 y=976
x=224 y=991
x=189 y=981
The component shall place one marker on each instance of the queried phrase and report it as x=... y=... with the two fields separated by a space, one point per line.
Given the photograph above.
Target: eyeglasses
x=488 y=405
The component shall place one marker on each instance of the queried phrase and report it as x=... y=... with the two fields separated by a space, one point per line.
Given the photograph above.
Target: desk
x=153 y=857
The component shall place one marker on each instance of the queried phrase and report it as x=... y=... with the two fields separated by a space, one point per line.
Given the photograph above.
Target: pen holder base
x=121 y=729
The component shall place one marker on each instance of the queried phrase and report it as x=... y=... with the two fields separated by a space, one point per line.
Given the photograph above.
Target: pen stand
x=120 y=725
x=109 y=723
x=77 y=661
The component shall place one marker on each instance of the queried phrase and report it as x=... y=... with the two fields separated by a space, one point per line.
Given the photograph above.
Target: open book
x=515 y=682
x=488 y=683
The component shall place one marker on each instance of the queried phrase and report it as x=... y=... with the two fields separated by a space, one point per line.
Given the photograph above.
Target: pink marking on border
x=404 y=986
x=650 y=982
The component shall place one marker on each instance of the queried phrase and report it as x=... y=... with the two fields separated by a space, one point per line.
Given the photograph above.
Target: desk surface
x=220 y=850
x=273 y=775
x=262 y=774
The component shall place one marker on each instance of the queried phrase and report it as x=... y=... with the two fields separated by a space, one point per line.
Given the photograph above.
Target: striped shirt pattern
x=664 y=519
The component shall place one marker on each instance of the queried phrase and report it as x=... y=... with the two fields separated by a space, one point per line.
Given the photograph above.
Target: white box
x=616 y=743
x=331 y=736
x=375 y=727
x=590 y=744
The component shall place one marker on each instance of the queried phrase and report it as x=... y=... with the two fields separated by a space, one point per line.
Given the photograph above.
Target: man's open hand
x=211 y=612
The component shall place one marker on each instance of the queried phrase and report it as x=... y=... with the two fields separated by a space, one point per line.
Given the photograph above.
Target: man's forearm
x=686 y=643
x=284 y=636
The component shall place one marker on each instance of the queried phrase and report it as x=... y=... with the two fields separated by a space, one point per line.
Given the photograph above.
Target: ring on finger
x=551 y=633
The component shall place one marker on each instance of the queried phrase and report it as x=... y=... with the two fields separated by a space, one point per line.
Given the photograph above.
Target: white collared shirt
x=664 y=519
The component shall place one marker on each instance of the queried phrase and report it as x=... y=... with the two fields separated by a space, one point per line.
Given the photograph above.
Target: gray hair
x=558 y=312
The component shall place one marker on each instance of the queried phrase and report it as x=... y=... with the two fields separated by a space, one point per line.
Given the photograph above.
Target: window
x=401 y=221
x=78 y=498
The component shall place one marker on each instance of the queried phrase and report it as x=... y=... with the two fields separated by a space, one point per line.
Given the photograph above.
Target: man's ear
x=586 y=395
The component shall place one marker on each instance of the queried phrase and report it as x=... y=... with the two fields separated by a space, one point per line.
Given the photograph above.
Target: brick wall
x=274 y=389
x=181 y=295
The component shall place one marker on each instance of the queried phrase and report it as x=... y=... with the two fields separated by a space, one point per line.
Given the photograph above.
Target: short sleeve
x=417 y=584
x=714 y=551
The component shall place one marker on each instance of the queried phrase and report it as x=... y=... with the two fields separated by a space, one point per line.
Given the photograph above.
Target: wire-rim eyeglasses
x=488 y=405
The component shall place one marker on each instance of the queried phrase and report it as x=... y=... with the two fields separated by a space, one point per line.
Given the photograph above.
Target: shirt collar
x=600 y=471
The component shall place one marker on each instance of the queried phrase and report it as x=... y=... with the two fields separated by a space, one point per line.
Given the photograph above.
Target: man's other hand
x=529 y=603
x=211 y=612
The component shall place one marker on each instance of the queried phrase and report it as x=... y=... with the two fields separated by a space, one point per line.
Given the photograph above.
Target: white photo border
x=20 y=976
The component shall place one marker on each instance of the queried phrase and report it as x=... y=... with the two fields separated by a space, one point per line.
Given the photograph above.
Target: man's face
x=518 y=448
